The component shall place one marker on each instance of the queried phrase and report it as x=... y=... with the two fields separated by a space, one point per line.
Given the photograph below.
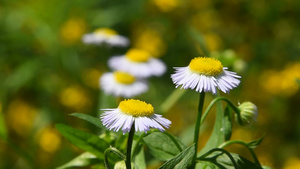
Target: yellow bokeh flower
x=166 y=5
x=20 y=117
x=91 y=77
x=72 y=30
x=150 y=40
x=74 y=97
x=284 y=82
x=292 y=163
x=49 y=139
x=213 y=42
x=205 y=20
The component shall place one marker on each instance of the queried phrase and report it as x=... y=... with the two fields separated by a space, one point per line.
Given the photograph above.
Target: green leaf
x=95 y=121
x=22 y=75
x=139 y=159
x=85 y=159
x=161 y=146
x=180 y=161
x=84 y=140
x=227 y=124
x=217 y=136
x=255 y=143
x=199 y=38
x=222 y=161
x=3 y=130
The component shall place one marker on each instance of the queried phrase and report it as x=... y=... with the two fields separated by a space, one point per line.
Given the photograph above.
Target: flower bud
x=122 y=165
x=248 y=112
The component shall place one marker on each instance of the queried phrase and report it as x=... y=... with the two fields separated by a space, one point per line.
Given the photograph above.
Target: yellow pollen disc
x=138 y=55
x=124 y=78
x=105 y=32
x=136 y=108
x=206 y=66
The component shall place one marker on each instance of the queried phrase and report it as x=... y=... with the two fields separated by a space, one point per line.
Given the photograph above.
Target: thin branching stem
x=244 y=144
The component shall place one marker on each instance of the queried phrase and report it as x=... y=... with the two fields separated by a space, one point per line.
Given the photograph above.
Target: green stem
x=197 y=127
x=215 y=101
x=112 y=150
x=202 y=158
x=244 y=144
x=129 y=147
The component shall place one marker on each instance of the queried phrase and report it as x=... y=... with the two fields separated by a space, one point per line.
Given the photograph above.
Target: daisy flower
x=123 y=84
x=133 y=111
x=205 y=74
x=138 y=63
x=105 y=35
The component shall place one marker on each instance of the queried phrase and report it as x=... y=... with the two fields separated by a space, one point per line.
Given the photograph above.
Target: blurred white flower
x=122 y=84
x=138 y=63
x=105 y=36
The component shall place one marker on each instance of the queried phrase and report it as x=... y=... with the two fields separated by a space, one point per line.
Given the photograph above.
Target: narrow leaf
x=222 y=161
x=217 y=136
x=227 y=124
x=140 y=159
x=255 y=143
x=93 y=120
x=84 y=140
x=180 y=161
x=3 y=130
x=161 y=146
x=225 y=160
x=199 y=38
x=85 y=159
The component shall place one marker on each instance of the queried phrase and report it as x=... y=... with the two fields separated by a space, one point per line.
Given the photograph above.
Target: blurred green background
x=47 y=73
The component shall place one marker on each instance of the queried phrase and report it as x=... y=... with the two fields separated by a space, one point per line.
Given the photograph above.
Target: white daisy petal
x=140 y=68
x=205 y=74
x=136 y=112
x=110 y=85
x=105 y=36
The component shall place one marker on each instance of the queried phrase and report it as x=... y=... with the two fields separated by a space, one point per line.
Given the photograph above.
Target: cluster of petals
x=115 y=120
x=110 y=85
x=186 y=78
x=153 y=67
x=102 y=38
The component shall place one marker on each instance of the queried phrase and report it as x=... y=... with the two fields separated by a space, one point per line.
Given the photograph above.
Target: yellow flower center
x=105 y=31
x=138 y=55
x=206 y=66
x=124 y=78
x=136 y=108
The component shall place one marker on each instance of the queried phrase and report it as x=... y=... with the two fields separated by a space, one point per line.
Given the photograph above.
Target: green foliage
x=255 y=143
x=180 y=161
x=84 y=140
x=227 y=124
x=93 y=120
x=37 y=66
x=217 y=136
x=84 y=159
x=3 y=130
x=226 y=160
x=139 y=159
x=161 y=146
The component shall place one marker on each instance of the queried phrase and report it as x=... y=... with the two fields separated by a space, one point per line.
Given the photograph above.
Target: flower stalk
x=197 y=127
x=129 y=147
